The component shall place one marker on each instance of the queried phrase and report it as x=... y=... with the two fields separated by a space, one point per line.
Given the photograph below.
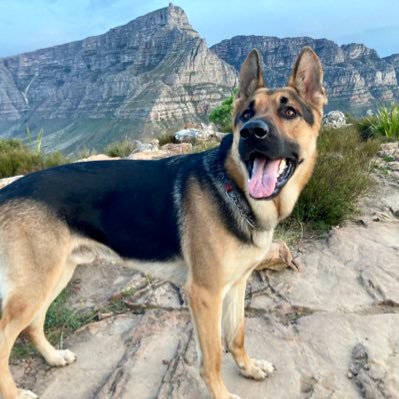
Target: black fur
x=127 y=205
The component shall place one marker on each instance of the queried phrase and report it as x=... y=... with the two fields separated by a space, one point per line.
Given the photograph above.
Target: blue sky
x=27 y=25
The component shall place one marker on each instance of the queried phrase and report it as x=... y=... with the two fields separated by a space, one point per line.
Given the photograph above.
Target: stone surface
x=335 y=119
x=97 y=157
x=8 y=180
x=191 y=135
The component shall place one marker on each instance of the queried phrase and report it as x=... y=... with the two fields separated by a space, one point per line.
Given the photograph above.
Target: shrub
x=166 y=138
x=221 y=116
x=384 y=124
x=341 y=175
x=121 y=148
x=18 y=159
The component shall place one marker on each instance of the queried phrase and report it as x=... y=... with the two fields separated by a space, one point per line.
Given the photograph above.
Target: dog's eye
x=247 y=115
x=289 y=113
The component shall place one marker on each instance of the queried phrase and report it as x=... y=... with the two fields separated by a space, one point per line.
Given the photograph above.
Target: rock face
x=155 y=74
x=151 y=73
x=355 y=76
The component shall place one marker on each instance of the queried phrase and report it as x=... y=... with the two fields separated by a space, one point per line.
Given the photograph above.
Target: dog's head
x=275 y=131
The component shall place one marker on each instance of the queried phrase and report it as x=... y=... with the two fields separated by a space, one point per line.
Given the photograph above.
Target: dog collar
x=241 y=203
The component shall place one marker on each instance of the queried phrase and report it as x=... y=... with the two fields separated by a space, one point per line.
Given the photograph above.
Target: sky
x=27 y=25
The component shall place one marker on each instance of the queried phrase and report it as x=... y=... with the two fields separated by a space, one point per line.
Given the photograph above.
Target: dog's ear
x=251 y=75
x=307 y=78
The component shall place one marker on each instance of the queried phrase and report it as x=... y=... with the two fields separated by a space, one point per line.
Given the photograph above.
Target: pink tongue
x=264 y=178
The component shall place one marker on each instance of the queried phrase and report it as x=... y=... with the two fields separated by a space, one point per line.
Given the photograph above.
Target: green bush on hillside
x=221 y=116
x=121 y=148
x=341 y=175
x=17 y=159
x=385 y=123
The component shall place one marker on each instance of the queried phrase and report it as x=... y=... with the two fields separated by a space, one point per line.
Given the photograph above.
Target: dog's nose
x=256 y=128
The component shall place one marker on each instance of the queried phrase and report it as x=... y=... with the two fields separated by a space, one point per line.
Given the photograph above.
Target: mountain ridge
x=155 y=74
x=355 y=76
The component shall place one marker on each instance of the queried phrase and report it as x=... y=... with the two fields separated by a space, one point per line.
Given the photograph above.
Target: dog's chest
x=240 y=262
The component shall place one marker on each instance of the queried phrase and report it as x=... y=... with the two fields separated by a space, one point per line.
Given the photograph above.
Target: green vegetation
x=38 y=142
x=121 y=148
x=166 y=138
x=61 y=321
x=340 y=177
x=17 y=158
x=221 y=116
x=385 y=123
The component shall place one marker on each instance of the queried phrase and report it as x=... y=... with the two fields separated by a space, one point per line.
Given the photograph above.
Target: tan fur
x=38 y=252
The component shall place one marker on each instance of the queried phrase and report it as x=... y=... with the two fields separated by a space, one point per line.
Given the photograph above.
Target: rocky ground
x=331 y=330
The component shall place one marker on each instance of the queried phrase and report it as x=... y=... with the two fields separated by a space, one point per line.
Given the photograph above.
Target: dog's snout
x=255 y=128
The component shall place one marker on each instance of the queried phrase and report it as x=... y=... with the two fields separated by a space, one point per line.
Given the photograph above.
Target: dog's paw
x=258 y=369
x=61 y=358
x=25 y=394
x=232 y=396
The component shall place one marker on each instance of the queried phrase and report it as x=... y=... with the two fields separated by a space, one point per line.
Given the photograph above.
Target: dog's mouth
x=268 y=176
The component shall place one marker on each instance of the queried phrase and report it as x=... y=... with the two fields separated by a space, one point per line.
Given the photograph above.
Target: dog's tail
x=86 y=251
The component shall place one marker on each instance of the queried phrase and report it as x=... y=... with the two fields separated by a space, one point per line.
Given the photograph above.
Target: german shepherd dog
x=205 y=220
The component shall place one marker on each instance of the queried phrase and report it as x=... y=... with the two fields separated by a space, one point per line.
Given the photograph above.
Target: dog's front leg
x=233 y=329
x=278 y=258
x=206 y=310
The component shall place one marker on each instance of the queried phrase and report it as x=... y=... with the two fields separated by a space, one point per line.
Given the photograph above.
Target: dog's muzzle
x=255 y=129
x=270 y=158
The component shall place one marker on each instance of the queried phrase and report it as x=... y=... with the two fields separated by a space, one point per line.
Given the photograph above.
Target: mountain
x=145 y=77
x=156 y=74
x=356 y=78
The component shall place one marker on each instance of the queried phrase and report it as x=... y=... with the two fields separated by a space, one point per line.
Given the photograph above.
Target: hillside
x=151 y=74
x=355 y=76
x=156 y=74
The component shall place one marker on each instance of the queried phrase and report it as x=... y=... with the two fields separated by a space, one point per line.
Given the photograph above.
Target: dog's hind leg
x=35 y=331
x=32 y=267
x=18 y=311
x=233 y=328
x=24 y=309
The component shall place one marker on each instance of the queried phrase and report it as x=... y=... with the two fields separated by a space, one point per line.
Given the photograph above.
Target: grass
x=385 y=124
x=166 y=138
x=18 y=159
x=121 y=148
x=62 y=321
x=341 y=175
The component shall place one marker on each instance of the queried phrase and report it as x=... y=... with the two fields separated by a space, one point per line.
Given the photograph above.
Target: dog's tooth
x=282 y=166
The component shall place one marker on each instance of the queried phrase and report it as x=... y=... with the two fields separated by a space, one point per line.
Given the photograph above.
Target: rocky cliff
x=356 y=77
x=155 y=74
x=150 y=74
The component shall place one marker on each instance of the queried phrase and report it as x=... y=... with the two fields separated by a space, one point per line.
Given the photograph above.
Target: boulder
x=204 y=133
x=97 y=157
x=334 y=119
x=8 y=180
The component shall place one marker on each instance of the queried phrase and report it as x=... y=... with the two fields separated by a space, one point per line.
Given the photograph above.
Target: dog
x=203 y=220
